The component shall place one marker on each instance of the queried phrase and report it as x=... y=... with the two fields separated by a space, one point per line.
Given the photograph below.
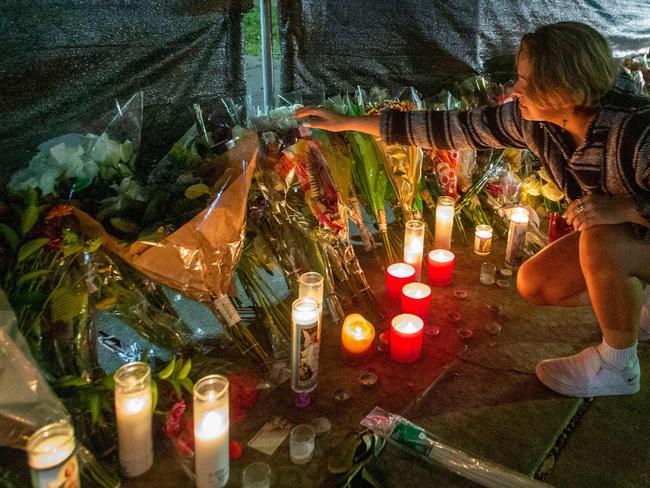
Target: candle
x=414 y=245
x=52 y=456
x=444 y=222
x=133 y=414
x=305 y=344
x=406 y=332
x=416 y=298
x=357 y=335
x=310 y=285
x=211 y=432
x=516 y=237
x=440 y=267
x=482 y=239
x=398 y=275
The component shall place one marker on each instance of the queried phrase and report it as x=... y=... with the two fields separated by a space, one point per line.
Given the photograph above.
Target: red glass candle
x=440 y=266
x=416 y=298
x=406 y=332
x=398 y=275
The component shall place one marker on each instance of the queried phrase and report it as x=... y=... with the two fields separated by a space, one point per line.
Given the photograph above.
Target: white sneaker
x=644 y=323
x=586 y=374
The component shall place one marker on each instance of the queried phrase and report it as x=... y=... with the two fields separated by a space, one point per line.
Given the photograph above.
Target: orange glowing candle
x=357 y=334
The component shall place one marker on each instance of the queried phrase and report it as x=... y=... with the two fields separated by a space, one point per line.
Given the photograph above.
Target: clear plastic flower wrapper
x=85 y=163
x=305 y=196
x=198 y=252
x=26 y=401
x=416 y=441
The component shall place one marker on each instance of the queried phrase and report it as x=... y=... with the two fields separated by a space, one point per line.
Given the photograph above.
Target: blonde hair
x=571 y=63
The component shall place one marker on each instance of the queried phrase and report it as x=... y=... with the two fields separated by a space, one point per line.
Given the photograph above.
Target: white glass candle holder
x=302 y=442
x=414 y=245
x=133 y=411
x=516 y=237
x=488 y=273
x=444 y=222
x=305 y=344
x=52 y=456
x=211 y=432
x=482 y=239
x=310 y=285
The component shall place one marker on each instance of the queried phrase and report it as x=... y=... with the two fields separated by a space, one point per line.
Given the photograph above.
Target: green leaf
x=31 y=247
x=177 y=388
x=10 y=235
x=370 y=479
x=108 y=382
x=93 y=407
x=185 y=370
x=31 y=276
x=154 y=395
x=70 y=381
x=167 y=370
x=188 y=385
x=29 y=219
x=177 y=367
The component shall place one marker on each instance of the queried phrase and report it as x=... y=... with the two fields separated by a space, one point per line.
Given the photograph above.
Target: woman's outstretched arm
x=321 y=118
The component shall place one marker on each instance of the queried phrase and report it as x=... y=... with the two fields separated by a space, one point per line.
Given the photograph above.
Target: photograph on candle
x=515 y=252
x=483 y=239
x=440 y=267
x=51 y=455
x=305 y=344
x=406 y=333
x=398 y=275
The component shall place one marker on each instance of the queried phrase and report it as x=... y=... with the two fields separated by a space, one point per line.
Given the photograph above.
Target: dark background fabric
x=333 y=45
x=65 y=62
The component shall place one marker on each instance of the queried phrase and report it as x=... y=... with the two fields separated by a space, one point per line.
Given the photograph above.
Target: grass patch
x=252 y=36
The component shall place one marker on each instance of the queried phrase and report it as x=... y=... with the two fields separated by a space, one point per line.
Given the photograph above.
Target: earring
x=565 y=119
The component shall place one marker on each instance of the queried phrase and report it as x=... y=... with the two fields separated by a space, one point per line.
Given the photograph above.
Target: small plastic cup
x=301 y=444
x=488 y=273
x=256 y=475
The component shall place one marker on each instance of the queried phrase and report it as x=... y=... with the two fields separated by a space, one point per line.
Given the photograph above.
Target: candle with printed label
x=516 y=237
x=52 y=456
x=483 y=239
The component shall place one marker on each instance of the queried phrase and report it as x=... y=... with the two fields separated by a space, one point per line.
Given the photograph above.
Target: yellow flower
x=531 y=186
x=552 y=192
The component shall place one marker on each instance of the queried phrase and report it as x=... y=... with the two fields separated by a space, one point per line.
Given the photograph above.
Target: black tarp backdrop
x=334 y=45
x=65 y=62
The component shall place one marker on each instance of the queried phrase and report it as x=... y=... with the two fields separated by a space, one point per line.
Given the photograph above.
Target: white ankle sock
x=618 y=358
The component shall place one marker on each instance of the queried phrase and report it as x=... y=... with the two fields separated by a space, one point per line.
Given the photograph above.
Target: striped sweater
x=614 y=159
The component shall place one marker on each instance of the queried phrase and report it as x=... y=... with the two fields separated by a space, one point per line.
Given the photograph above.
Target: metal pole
x=267 y=53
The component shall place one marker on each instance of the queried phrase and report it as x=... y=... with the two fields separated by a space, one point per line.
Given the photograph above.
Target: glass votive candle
x=444 y=222
x=488 y=273
x=406 y=333
x=416 y=298
x=301 y=444
x=52 y=456
x=414 y=245
x=482 y=239
x=256 y=475
x=322 y=427
x=310 y=285
x=440 y=267
x=211 y=431
x=398 y=275
x=357 y=335
x=133 y=402
x=515 y=253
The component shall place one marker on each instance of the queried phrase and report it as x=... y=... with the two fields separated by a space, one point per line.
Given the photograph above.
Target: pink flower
x=174 y=420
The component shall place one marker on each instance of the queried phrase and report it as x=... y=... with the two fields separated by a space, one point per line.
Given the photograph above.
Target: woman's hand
x=322 y=118
x=591 y=210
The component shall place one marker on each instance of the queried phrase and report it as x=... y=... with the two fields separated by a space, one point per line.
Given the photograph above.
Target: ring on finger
x=579 y=208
